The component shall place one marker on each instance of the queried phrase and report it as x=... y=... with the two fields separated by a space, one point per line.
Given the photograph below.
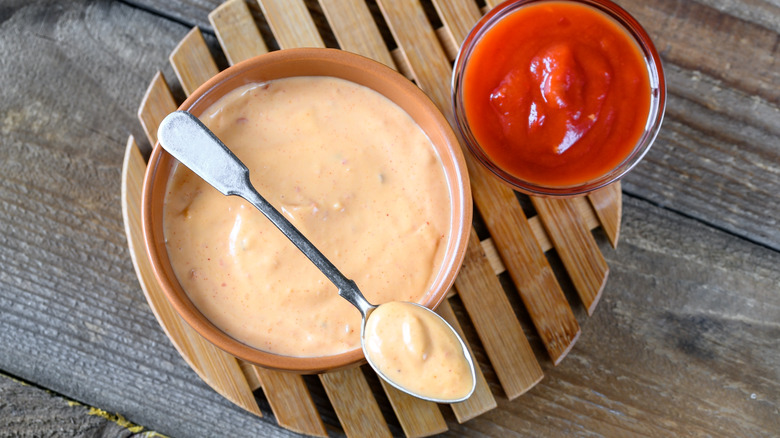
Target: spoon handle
x=186 y=138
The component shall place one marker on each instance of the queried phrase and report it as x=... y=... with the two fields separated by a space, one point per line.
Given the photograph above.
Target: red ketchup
x=556 y=93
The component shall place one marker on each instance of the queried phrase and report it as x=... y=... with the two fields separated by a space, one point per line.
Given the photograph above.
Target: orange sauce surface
x=352 y=171
x=416 y=350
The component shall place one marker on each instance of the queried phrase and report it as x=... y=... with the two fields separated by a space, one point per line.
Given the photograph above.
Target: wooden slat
x=608 y=205
x=289 y=398
x=249 y=372
x=418 y=417
x=458 y=17
x=492 y=256
x=420 y=46
x=192 y=61
x=287 y=394
x=402 y=63
x=157 y=103
x=217 y=368
x=586 y=213
x=450 y=47
x=355 y=30
x=236 y=31
x=291 y=23
x=496 y=324
x=482 y=400
x=503 y=215
x=576 y=247
x=291 y=401
x=354 y=403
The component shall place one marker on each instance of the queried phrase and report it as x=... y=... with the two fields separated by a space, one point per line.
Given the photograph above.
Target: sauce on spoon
x=417 y=350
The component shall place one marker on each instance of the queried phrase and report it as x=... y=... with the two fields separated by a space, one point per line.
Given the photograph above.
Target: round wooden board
x=517 y=243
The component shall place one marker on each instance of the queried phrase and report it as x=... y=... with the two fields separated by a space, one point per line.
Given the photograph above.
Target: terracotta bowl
x=308 y=62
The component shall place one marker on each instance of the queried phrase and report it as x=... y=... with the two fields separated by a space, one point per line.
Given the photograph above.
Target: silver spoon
x=188 y=140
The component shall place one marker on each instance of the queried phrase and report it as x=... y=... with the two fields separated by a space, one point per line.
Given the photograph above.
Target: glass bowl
x=655 y=116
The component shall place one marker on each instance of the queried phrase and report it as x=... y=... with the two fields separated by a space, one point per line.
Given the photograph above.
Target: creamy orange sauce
x=348 y=168
x=416 y=350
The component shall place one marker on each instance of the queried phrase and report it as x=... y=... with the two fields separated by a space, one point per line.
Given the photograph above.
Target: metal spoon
x=189 y=141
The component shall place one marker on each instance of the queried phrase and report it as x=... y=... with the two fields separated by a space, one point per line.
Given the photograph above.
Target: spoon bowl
x=418 y=352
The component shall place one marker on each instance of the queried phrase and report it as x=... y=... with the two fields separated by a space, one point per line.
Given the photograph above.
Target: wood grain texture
x=28 y=411
x=157 y=103
x=608 y=210
x=418 y=417
x=482 y=400
x=192 y=61
x=716 y=157
x=291 y=23
x=290 y=401
x=458 y=17
x=576 y=247
x=354 y=403
x=585 y=212
x=673 y=351
x=355 y=29
x=496 y=324
x=530 y=271
x=236 y=31
x=421 y=49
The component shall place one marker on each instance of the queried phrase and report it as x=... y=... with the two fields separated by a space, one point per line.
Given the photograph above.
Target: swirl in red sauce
x=556 y=93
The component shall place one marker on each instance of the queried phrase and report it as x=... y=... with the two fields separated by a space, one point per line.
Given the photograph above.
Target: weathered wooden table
x=685 y=340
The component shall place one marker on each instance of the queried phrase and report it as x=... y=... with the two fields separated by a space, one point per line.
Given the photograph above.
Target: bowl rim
x=655 y=115
x=320 y=61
